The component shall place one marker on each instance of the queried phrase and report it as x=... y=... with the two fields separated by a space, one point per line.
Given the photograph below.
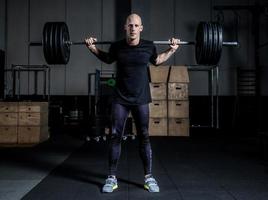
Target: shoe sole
x=147 y=188
x=114 y=188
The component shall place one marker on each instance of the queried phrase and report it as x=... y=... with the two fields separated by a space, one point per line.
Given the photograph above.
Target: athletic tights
x=140 y=115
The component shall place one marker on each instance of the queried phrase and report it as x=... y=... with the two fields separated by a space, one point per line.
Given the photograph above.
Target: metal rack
x=213 y=88
x=97 y=83
x=16 y=71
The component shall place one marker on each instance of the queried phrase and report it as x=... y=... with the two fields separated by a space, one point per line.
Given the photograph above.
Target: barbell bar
x=156 y=42
x=208 y=44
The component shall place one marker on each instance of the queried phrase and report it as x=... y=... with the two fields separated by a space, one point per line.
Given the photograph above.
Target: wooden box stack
x=23 y=123
x=158 y=107
x=178 y=102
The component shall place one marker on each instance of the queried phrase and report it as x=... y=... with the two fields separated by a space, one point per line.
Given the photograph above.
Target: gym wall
x=103 y=19
x=2 y=23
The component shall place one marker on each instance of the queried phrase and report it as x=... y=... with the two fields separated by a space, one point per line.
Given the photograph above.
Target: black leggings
x=140 y=115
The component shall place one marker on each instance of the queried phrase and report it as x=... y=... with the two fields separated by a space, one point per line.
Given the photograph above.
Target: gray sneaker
x=151 y=184
x=110 y=185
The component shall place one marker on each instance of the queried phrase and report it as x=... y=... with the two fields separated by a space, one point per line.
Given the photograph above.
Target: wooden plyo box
x=177 y=91
x=158 y=108
x=33 y=119
x=178 y=74
x=8 y=134
x=158 y=126
x=159 y=74
x=178 y=127
x=23 y=122
x=8 y=119
x=158 y=91
x=32 y=134
x=178 y=109
x=8 y=107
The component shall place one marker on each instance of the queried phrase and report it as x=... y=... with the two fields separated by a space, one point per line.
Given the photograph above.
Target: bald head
x=134 y=17
x=133 y=28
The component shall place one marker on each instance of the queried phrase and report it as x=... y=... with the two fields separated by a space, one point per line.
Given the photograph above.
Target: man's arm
x=164 y=56
x=103 y=56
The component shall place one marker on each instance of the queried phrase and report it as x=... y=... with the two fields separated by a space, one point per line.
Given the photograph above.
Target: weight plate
x=46 y=42
x=220 y=39
x=65 y=48
x=53 y=43
x=50 y=42
x=211 y=43
x=58 y=43
x=201 y=38
x=207 y=44
x=209 y=55
x=216 y=44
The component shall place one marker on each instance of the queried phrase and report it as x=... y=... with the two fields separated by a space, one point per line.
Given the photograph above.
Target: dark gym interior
x=55 y=117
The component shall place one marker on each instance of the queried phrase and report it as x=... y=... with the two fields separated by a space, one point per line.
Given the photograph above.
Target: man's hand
x=90 y=44
x=174 y=44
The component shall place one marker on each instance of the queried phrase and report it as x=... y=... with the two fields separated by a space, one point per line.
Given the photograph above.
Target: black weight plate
x=215 y=43
x=197 y=43
x=50 y=43
x=219 y=46
x=210 y=44
x=201 y=39
x=65 y=48
x=46 y=42
x=216 y=40
x=205 y=44
x=210 y=59
x=57 y=43
x=53 y=43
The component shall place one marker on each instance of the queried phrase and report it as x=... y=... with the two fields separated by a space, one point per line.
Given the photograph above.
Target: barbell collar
x=230 y=43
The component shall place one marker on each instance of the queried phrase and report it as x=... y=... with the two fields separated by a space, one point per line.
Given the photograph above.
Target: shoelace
x=110 y=181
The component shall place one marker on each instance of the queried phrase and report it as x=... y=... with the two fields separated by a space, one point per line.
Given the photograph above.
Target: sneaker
x=151 y=184
x=110 y=184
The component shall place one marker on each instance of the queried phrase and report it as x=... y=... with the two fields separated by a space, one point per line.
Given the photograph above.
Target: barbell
x=208 y=44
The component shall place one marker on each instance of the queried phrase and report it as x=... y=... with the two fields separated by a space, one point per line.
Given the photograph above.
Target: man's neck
x=133 y=42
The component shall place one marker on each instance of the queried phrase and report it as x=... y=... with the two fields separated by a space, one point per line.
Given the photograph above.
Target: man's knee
x=144 y=136
x=115 y=137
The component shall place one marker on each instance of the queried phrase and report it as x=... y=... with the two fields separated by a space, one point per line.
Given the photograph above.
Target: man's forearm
x=103 y=56
x=161 y=58
x=95 y=51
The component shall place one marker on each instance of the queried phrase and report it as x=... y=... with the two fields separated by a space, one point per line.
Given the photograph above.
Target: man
x=132 y=94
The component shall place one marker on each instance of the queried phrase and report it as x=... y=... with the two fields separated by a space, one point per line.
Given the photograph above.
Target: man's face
x=133 y=27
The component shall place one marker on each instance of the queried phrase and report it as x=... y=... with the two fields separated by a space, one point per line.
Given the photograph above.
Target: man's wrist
x=93 y=50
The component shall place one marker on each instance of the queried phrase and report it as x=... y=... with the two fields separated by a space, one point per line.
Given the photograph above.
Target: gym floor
x=195 y=168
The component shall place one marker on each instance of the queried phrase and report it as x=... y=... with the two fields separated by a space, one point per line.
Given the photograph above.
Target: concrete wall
x=2 y=24
x=104 y=18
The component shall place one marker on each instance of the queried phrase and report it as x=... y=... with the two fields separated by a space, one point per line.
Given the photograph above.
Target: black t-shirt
x=132 y=82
